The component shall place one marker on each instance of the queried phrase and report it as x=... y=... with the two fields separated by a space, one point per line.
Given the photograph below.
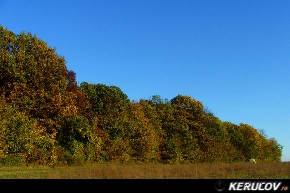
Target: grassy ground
x=151 y=171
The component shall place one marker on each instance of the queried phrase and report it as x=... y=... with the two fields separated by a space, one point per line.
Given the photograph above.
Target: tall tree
x=110 y=106
x=35 y=79
x=107 y=102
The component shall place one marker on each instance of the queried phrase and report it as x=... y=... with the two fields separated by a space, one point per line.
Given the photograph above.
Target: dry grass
x=152 y=171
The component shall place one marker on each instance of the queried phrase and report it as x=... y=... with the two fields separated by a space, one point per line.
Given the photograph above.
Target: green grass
x=151 y=171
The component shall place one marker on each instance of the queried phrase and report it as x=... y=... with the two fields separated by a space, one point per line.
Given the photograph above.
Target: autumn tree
x=176 y=141
x=109 y=106
x=107 y=102
x=22 y=139
x=79 y=139
x=271 y=150
x=35 y=79
x=219 y=148
x=191 y=112
x=46 y=117
x=143 y=137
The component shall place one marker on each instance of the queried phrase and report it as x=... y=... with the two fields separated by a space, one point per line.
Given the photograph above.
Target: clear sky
x=232 y=55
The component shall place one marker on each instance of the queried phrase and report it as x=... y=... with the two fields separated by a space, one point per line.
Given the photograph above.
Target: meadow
x=151 y=171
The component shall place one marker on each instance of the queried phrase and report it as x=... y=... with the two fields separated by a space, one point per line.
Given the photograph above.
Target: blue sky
x=232 y=55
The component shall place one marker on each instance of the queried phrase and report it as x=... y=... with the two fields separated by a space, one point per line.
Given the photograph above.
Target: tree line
x=46 y=117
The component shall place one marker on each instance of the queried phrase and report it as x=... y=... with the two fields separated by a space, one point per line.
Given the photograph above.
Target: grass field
x=151 y=171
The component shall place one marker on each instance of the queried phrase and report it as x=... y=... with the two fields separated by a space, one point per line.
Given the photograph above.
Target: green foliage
x=144 y=140
x=22 y=139
x=177 y=143
x=79 y=140
x=47 y=118
x=249 y=143
x=109 y=106
x=107 y=102
x=271 y=149
x=235 y=138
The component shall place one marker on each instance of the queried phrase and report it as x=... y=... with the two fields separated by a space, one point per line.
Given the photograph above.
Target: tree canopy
x=47 y=118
